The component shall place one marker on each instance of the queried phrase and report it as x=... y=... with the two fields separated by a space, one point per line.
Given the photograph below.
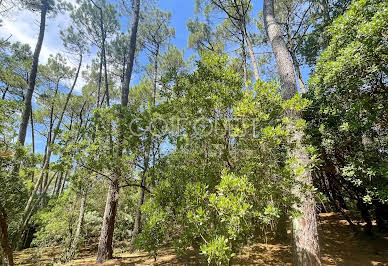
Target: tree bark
x=103 y=57
x=304 y=227
x=302 y=87
x=33 y=143
x=155 y=74
x=32 y=135
x=279 y=48
x=305 y=233
x=63 y=184
x=131 y=55
x=105 y=249
x=244 y=54
x=74 y=243
x=252 y=55
x=33 y=73
x=4 y=236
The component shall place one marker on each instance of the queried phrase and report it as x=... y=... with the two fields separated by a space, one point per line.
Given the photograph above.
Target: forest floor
x=340 y=245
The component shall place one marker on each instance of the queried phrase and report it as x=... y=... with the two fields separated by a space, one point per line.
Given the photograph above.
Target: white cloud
x=23 y=26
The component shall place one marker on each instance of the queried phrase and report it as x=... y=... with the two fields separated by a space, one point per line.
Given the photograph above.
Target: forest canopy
x=267 y=114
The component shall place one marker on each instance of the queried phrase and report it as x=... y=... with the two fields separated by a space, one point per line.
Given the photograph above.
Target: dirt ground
x=340 y=245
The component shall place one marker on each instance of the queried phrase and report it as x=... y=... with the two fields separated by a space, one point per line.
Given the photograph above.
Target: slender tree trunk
x=58 y=182
x=80 y=220
x=302 y=87
x=33 y=73
x=32 y=205
x=106 y=78
x=99 y=81
x=305 y=233
x=252 y=55
x=5 y=92
x=63 y=184
x=49 y=139
x=4 y=236
x=46 y=160
x=70 y=254
x=105 y=249
x=244 y=54
x=32 y=135
x=155 y=75
x=137 y=225
x=33 y=143
x=131 y=54
x=103 y=58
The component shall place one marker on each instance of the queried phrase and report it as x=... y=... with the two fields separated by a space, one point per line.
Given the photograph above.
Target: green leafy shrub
x=154 y=231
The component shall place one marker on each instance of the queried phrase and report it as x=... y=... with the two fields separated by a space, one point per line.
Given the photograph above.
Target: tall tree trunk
x=105 y=249
x=99 y=80
x=103 y=57
x=63 y=184
x=33 y=143
x=32 y=135
x=244 y=54
x=131 y=54
x=106 y=80
x=295 y=61
x=137 y=225
x=302 y=87
x=155 y=75
x=252 y=55
x=305 y=233
x=46 y=160
x=70 y=254
x=4 y=236
x=5 y=92
x=33 y=73
x=279 y=48
x=32 y=206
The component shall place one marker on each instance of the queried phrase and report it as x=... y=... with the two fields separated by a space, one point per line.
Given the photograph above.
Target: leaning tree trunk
x=305 y=233
x=46 y=160
x=32 y=78
x=105 y=249
x=252 y=55
x=70 y=253
x=4 y=236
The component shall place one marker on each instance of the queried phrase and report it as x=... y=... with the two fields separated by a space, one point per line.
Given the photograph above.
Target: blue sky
x=23 y=26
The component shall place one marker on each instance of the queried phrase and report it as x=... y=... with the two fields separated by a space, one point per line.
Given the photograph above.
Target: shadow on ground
x=340 y=245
